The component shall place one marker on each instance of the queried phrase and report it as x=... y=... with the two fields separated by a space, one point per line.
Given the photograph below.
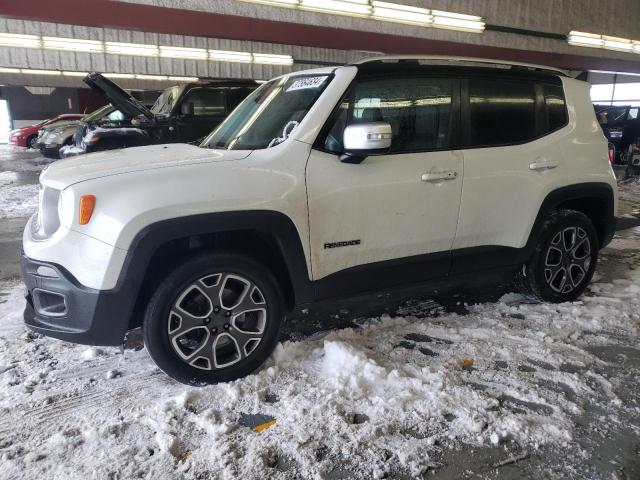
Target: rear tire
x=31 y=141
x=564 y=259
x=215 y=318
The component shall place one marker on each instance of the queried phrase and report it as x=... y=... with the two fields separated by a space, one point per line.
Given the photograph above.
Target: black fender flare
x=600 y=191
x=277 y=226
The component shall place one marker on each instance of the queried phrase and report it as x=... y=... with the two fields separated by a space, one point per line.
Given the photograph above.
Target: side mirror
x=364 y=139
x=187 y=109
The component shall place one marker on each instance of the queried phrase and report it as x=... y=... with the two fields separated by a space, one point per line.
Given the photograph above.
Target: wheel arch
x=595 y=200
x=268 y=236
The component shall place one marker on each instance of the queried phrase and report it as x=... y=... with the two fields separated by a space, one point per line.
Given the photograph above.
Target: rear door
x=209 y=110
x=513 y=158
x=392 y=214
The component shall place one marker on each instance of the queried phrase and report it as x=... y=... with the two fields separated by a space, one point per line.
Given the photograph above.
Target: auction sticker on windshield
x=307 y=83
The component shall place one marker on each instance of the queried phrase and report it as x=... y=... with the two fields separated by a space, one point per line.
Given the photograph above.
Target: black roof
x=411 y=65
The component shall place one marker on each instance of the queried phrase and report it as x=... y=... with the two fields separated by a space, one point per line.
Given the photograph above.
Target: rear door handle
x=543 y=165
x=439 y=176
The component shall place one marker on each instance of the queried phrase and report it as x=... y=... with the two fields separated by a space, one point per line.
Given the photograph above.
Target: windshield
x=269 y=115
x=97 y=114
x=165 y=102
x=615 y=114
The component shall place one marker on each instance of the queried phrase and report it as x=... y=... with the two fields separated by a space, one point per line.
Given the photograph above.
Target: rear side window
x=207 y=101
x=501 y=112
x=556 y=107
x=417 y=108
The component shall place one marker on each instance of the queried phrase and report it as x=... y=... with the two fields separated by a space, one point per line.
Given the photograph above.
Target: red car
x=26 y=136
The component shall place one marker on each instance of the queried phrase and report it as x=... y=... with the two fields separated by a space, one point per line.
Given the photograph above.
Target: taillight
x=612 y=154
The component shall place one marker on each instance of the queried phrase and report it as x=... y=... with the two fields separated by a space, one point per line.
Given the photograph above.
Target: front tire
x=215 y=318
x=564 y=260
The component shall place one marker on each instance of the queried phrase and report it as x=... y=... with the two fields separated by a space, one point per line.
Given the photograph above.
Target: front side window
x=165 y=102
x=270 y=114
x=207 y=101
x=501 y=112
x=417 y=108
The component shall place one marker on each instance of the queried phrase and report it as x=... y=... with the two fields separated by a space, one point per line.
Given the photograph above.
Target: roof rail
x=442 y=59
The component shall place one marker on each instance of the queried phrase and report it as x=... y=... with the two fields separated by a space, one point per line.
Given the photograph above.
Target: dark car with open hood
x=184 y=113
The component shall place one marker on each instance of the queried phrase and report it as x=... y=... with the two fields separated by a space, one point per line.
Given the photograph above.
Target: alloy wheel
x=217 y=321
x=567 y=260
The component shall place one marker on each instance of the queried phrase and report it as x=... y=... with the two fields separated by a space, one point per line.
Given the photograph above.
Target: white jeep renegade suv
x=323 y=184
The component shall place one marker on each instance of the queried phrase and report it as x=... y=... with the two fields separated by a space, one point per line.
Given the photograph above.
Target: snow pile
x=379 y=401
x=18 y=201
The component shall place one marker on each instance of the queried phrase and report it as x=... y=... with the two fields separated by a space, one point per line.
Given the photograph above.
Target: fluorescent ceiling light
x=593 y=40
x=615 y=43
x=152 y=77
x=393 y=12
x=185 y=53
x=582 y=39
x=28 y=71
x=457 y=21
x=353 y=7
x=136 y=49
x=72 y=44
x=119 y=75
x=271 y=59
x=19 y=40
x=228 y=56
x=386 y=11
x=184 y=79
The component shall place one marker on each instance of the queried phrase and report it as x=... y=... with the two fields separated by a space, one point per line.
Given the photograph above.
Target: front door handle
x=439 y=176
x=544 y=165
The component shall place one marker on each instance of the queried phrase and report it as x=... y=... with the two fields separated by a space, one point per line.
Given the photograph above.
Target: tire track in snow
x=78 y=402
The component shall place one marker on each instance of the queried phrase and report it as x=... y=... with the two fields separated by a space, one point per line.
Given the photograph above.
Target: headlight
x=47 y=221
x=66 y=208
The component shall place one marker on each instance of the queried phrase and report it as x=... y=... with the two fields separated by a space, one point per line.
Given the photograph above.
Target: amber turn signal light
x=87 y=204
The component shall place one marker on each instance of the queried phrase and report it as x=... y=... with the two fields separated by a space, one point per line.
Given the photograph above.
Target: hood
x=64 y=173
x=61 y=125
x=117 y=96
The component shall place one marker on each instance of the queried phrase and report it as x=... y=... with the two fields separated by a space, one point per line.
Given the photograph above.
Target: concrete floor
x=613 y=453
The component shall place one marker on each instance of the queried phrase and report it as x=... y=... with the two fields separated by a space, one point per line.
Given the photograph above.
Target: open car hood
x=117 y=96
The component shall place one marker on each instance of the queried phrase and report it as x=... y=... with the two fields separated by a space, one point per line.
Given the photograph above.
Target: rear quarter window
x=555 y=109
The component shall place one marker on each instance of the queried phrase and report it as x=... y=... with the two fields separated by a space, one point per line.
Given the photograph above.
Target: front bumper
x=50 y=151
x=59 y=306
x=18 y=141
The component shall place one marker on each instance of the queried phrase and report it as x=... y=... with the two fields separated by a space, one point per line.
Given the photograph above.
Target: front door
x=397 y=211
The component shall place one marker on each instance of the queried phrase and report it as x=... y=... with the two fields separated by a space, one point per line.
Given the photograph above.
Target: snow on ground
x=17 y=200
x=381 y=400
x=19 y=159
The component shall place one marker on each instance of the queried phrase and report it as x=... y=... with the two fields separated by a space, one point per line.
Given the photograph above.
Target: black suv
x=621 y=126
x=181 y=114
